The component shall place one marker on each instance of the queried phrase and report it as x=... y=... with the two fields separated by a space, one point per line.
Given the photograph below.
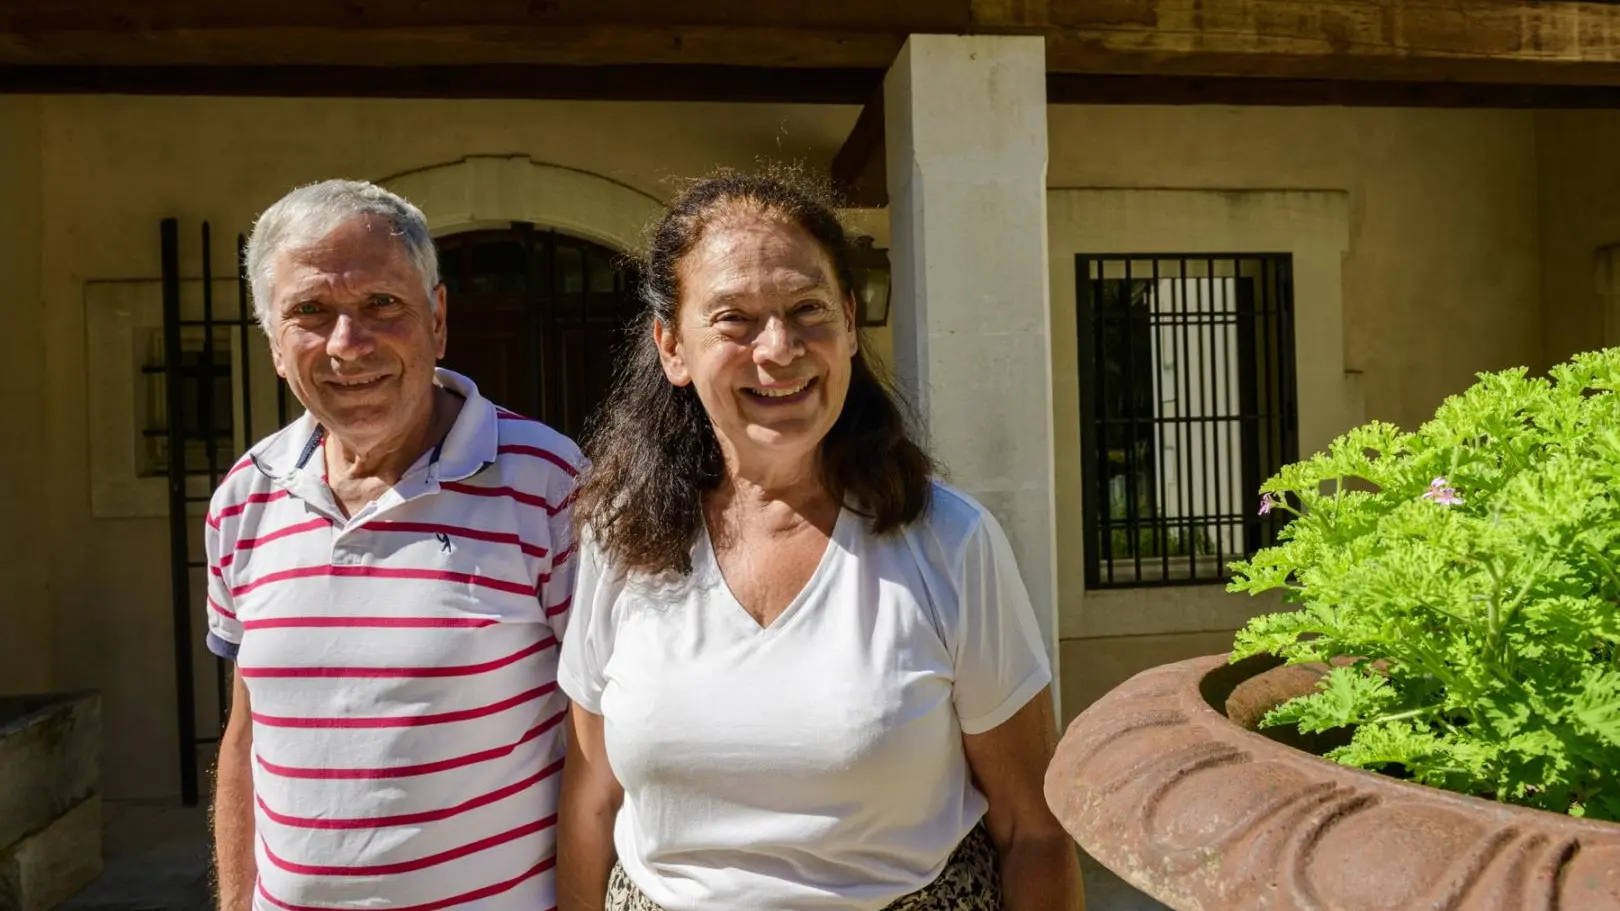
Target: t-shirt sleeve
x=587 y=643
x=224 y=629
x=1001 y=662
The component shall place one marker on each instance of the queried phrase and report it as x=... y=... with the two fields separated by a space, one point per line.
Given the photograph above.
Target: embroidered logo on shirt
x=444 y=541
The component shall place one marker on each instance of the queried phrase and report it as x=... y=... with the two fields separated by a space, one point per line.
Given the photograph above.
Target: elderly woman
x=805 y=674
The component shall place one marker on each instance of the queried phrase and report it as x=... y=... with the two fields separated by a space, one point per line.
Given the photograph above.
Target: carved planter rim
x=1189 y=807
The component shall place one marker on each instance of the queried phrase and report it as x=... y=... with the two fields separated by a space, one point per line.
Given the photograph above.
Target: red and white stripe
x=407 y=726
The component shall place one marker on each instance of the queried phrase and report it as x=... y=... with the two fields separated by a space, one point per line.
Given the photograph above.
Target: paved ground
x=157 y=860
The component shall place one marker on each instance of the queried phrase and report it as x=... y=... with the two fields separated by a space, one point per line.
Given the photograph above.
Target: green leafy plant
x=1465 y=580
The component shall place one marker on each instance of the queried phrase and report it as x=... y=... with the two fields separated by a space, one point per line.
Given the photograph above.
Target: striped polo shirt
x=401 y=665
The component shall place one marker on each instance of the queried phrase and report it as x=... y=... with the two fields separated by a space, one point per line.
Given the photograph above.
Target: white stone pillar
x=966 y=144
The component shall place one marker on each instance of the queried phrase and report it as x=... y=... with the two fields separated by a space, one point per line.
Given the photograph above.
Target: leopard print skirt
x=971 y=881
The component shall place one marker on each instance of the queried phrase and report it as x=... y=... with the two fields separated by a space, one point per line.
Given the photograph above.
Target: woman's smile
x=778 y=394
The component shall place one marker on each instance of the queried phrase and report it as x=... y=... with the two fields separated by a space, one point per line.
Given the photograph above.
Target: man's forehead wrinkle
x=308 y=281
x=321 y=254
x=353 y=240
x=335 y=256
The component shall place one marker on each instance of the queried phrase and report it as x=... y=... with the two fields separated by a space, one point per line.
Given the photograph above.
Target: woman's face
x=764 y=334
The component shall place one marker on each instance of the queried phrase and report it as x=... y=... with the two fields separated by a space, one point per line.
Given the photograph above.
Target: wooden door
x=536 y=319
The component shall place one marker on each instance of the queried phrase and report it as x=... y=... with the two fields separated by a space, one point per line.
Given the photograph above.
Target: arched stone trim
x=482 y=191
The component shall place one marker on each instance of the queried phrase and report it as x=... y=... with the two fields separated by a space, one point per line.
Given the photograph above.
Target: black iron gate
x=539 y=317
x=207 y=374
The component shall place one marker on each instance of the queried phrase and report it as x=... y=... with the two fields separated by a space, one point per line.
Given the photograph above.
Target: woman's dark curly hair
x=652 y=449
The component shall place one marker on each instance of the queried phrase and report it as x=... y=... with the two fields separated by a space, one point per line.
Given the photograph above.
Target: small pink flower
x=1441 y=491
x=1266 y=502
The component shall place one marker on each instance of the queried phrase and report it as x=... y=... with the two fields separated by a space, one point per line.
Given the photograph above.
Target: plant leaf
x=1597 y=707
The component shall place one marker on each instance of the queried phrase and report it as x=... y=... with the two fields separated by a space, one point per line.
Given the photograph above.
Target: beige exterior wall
x=1103 y=629
x=1579 y=154
x=25 y=609
x=1440 y=278
x=1438 y=214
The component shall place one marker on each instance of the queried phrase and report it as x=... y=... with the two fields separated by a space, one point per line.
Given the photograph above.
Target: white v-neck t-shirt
x=817 y=762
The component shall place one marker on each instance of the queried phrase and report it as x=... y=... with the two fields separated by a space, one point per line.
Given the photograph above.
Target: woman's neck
x=770 y=477
x=770 y=493
x=779 y=504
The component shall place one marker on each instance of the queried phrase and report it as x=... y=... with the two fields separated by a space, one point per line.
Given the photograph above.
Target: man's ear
x=275 y=358
x=275 y=352
x=670 y=353
x=441 y=324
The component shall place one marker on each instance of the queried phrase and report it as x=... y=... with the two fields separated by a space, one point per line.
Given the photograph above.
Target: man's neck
x=388 y=460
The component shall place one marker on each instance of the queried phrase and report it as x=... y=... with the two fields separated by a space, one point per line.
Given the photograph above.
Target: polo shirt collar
x=293 y=454
x=474 y=440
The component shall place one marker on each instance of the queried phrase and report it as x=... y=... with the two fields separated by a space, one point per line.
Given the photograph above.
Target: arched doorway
x=536 y=318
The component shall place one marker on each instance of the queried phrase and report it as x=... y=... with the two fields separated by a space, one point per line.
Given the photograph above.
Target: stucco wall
x=25 y=609
x=1440 y=279
x=1579 y=158
x=113 y=167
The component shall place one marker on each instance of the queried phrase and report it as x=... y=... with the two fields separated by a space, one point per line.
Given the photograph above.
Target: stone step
x=50 y=759
x=40 y=871
x=50 y=805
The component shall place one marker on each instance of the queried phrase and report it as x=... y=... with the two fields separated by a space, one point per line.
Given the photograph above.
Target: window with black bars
x=1187 y=404
x=207 y=392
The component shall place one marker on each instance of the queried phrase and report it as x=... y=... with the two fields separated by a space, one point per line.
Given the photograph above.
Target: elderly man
x=391 y=576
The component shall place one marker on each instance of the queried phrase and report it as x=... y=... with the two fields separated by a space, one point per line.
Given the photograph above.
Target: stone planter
x=50 y=802
x=1187 y=803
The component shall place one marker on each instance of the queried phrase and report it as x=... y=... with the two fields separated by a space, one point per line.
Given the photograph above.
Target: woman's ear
x=670 y=353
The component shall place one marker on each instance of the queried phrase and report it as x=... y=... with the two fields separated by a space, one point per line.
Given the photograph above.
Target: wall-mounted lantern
x=871 y=267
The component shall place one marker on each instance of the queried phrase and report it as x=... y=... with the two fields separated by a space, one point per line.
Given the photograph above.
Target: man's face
x=355 y=333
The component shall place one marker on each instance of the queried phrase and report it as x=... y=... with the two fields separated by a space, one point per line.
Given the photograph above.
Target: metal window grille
x=200 y=383
x=1187 y=404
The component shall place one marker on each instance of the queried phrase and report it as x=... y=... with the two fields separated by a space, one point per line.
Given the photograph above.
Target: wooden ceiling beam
x=598 y=83
x=1552 y=42
x=454 y=46
x=859 y=170
x=1074 y=88
x=1509 y=41
x=148 y=16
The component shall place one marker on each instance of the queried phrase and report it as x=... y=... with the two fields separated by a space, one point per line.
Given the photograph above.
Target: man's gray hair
x=311 y=212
